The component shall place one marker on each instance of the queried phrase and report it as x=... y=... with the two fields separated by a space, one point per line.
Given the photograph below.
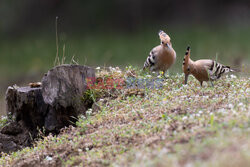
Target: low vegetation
x=170 y=125
x=3 y=121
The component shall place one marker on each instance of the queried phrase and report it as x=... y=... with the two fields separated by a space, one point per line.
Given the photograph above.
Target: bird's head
x=165 y=39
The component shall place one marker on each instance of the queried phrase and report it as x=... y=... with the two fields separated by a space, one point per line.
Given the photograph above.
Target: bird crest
x=164 y=37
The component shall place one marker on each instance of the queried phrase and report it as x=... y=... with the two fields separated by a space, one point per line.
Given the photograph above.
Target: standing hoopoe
x=204 y=69
x=161 y=57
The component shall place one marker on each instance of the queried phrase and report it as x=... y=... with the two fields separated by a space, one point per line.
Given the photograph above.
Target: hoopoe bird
x=204 y=69
x=161 y=57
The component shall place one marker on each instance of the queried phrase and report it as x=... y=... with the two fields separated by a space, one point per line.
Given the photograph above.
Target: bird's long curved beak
x=186 y=79
x=168 y=45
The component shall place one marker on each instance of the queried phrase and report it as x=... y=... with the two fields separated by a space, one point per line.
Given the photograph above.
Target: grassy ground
x=176 y=125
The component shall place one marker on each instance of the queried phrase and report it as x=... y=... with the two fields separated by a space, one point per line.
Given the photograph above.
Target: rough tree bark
x=62 y=89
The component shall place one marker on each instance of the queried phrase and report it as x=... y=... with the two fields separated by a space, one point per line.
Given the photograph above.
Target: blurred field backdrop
x=117 y=33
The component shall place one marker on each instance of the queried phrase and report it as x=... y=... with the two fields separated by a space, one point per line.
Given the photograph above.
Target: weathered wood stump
x=62 y=89
x=54 y=105
x=27 y=104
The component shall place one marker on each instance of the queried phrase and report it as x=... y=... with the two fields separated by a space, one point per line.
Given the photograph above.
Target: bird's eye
x=162 y=42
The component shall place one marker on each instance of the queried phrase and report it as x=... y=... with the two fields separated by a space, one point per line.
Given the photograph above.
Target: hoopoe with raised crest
x=161 y=57
x=204 y=69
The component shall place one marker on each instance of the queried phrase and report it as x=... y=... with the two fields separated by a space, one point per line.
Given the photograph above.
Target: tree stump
x=52 y=106
x=27 y=104
x=62 y=89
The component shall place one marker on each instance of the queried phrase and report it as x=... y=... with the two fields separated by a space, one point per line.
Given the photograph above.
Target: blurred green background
x=117 y=33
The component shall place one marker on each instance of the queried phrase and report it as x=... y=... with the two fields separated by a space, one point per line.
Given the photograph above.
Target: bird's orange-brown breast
x=166 y=58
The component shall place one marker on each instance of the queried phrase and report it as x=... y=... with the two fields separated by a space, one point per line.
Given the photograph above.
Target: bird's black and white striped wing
x=150 y=61
x=216 y=70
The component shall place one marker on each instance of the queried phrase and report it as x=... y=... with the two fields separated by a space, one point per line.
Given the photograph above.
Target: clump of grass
x=57 y=60
x=3 y=121
x=92 y=95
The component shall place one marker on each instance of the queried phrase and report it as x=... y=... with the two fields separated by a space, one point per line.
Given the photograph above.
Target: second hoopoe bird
x=204 y=69
x=161 y=57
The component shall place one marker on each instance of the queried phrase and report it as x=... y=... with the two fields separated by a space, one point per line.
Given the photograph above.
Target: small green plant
x=211 y=122
x=57 y=60
x=3 y=121
x=92 y=95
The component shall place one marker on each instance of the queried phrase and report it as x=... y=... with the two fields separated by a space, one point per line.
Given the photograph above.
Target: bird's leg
x=186 y=79
x=211 y=83
x=201 y=83
x=165 y=74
